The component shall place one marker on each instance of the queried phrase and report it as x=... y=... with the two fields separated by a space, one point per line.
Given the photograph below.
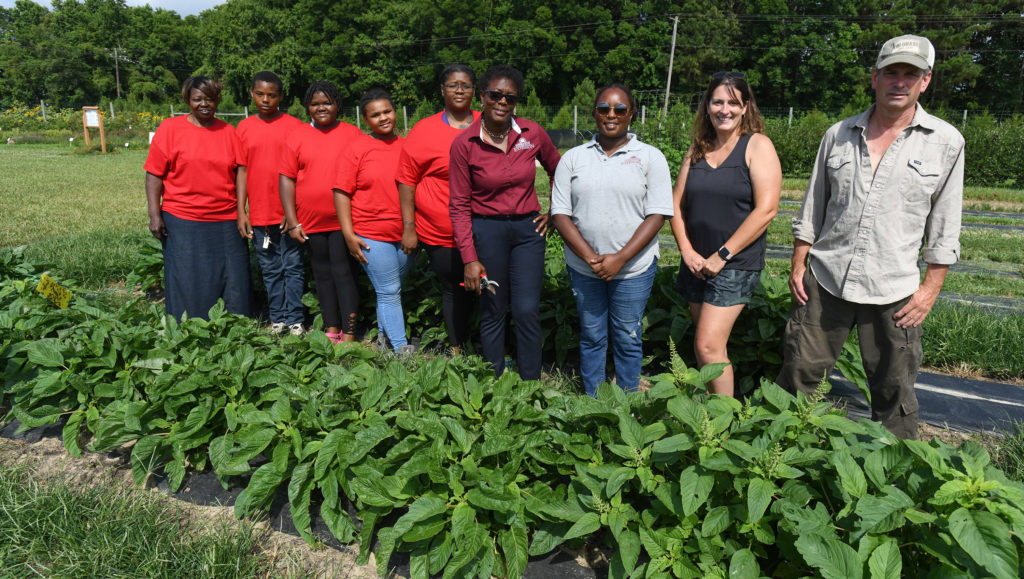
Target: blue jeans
x=611 y=307
x=280 y=259
x=386 y=265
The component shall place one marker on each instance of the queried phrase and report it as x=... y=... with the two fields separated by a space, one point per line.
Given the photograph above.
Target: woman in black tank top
x=726 y=194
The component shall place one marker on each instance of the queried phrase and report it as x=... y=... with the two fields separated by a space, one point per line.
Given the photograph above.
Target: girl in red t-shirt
x=423 y=190
x=366 y=201
x=307 y=172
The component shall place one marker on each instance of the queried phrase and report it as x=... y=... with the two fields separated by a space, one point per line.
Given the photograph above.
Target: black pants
x=456 y=302
x=334 y=272
x=513 y=254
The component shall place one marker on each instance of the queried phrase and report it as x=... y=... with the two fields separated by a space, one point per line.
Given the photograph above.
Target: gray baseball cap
x=913 y=50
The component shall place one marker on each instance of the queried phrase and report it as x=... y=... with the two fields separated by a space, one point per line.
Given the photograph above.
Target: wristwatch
x=723 y=252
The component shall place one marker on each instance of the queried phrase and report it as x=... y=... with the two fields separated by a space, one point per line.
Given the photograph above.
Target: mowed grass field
x=83 y=214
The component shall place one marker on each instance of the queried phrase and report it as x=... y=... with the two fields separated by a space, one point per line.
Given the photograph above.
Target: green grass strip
x=52 y=528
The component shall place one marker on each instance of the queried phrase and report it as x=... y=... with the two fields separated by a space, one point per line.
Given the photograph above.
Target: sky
x=182 y=7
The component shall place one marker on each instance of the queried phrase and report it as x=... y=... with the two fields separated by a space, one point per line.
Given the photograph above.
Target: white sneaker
x=277 y=328
x=296 y=329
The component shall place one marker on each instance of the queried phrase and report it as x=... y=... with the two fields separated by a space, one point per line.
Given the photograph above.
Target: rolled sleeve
x=459 y=207
x=807 y=222
x=942 y=228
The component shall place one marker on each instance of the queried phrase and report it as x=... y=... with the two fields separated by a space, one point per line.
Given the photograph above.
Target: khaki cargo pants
x=815 y=335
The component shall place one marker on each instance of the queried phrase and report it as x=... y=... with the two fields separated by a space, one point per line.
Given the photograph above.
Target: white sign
x=92 y=118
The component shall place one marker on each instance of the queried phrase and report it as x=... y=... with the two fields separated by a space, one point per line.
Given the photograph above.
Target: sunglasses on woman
x=605 y=109
x=495 y=96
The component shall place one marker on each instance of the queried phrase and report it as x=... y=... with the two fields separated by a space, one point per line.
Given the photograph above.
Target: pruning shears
x=491 y=286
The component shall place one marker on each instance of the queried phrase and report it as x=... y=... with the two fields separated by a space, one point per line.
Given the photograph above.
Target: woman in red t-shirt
x=191 y=176
x=423 y=190
x=366 y=201
x=307 y=175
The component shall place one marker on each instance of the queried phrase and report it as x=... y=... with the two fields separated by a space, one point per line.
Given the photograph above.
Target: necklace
x=497 y=138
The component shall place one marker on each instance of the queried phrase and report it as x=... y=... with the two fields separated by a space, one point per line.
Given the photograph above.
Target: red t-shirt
x=198 y=167
x=424 y=165
x=310 y=160
x=263 y=146
x=366 y=172
x=486 y=181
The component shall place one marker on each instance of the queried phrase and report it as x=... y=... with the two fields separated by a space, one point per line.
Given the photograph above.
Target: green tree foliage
x=796 y=53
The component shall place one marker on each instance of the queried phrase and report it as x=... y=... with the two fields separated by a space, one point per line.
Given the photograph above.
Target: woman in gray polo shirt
x=609 y=198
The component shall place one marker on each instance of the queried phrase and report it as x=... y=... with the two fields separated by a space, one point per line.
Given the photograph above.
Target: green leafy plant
x=472 y=475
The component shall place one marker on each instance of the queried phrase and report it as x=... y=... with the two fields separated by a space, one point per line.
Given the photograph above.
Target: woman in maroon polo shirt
x=496 y=217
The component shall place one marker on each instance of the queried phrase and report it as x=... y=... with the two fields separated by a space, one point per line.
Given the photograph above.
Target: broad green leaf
x=588 y=524
x=370 y=493
x=850 y=474
x=833 y=558
x=261 y=488
x=950 y=491
x=492 y=500
x=743 y=565
x=299 y=489
x=386 y=546
x=421 y=509
x=425 y=529
x=886 y=562
x=759 y=496
x=46 y=353
x=514 y=547
x=673 y=444
x=69 y=435
x=776 y=395
x=716 y=521
x=441 y=549
x=465 y=552
x=419 y=563
x=694 y=488
x=987 y=539
x=145 y=457
x=686 y=411
x=338 y=521
x=628 y=543
x=459 y=434
x=463 y=522
x=930 y=455
x=881 y=514
x=618 y=478
x=547 y=537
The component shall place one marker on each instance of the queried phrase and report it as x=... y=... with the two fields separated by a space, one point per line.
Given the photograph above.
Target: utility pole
x=117 y=72
x=671 y=61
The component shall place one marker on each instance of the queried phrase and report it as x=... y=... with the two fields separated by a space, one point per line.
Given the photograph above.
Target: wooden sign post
x=91 y=118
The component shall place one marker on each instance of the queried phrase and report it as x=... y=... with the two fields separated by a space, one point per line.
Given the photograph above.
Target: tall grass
x=957 y=334
x=54 y=528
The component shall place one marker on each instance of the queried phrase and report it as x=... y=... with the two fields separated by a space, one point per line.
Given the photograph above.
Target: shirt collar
x=632 y=144
x=921 y=118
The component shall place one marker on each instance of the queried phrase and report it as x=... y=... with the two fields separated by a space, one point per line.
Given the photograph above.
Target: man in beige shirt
x=886 y=184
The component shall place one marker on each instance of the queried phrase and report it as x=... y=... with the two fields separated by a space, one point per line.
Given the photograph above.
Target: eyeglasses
x=495 y=96
x=727 y=73
x=454 y=86
x=605 y=109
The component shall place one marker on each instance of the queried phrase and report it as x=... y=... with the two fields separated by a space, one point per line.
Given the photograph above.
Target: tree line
x=796 y=53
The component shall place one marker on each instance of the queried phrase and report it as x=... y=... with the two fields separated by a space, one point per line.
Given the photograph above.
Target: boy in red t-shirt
x=280 y=257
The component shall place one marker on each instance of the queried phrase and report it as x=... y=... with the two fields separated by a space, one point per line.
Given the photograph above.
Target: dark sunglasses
x=604 y=109
x=727 y=73
x=495 y=96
